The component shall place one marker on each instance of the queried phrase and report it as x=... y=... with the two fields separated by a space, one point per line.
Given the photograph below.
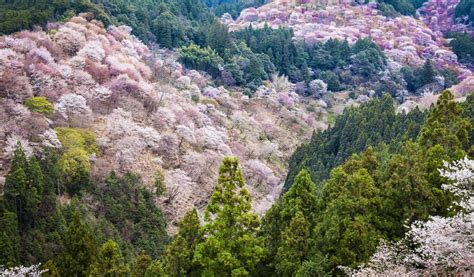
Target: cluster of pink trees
x=439 y=16
x=405 y=40
x=147 y=112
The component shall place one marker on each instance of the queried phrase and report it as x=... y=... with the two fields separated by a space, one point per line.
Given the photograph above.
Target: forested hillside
x=236 y=138
x=378 y=125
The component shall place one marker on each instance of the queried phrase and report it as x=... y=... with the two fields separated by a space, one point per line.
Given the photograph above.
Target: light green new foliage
x=78 y=146
x=40 y=105
x=230 y=247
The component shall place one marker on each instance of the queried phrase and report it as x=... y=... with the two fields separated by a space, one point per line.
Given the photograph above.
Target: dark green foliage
x=23 y=188
x=33 y=228
x=406 y=194
x=289 y=57
x=9 y=239
x=468 y=108
x=79 y=248
x=109 y=262
x=427 y=73
x=331 y=55
x=218 y=37
x=447 y=127
x=404 y=7
x=205 y=59
x=233 y=7
x=169 y=23
x=372 y=195
x=281 y=226
x=141 y=264
x=376 y=123
x=465 y=8
x=179 y=254
x=326 y=60
x=125 y=203
x=463 y=46
x=419 y=77
x=16 y=15
x=368 y=59
x=368 y=63
x=331 y=79
x=294 y=247
x=155 y=270
x=345 y=229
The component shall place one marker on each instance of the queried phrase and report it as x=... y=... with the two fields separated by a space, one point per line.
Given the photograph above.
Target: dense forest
x=315 y=227
x=248 y=57
x=379 y=192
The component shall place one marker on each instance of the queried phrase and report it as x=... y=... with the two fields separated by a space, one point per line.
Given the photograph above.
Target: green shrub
x=40 y=105
x=77 y=138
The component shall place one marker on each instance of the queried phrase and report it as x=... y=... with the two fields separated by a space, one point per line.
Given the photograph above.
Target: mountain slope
x=148 y=114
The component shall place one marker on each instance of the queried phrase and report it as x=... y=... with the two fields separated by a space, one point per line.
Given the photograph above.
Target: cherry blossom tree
x=443 y=245
x=21 y=271
x=12 y=142
x=72 y=104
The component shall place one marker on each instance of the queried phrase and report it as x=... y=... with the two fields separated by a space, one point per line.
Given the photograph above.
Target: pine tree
x=230 y=245
x=447 y=126
x=346 y=228
x=217 y=37
x=109 y=262
x=178 y=259
x=142 y=262
x=294 y=246
x=9 y=239
x=79 y=248
x=155 y=270
x=406 y=193
x=300 y=199
x=428 y=73
x=52 y=270
x=34 y=191
x=16 y=185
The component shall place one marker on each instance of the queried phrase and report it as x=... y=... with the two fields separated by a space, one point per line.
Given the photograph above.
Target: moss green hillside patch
x=40 y=105
x=78 y=138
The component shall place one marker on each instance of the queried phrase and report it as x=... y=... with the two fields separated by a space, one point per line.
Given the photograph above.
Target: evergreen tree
x=142 y=262
x=109 y=262
x=346 y=228
x=79 y=248
x=447 y=127
x=300 y=199
x=9 y=239
x=16 y=185
x=294 y=246
x=52 y=270
x=155 y=270
x=407 y=195
x=34 y=191
x=178 y=259
x=428 y=73
x=217 y=37
x=230 y=245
